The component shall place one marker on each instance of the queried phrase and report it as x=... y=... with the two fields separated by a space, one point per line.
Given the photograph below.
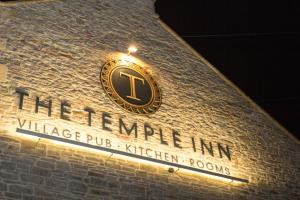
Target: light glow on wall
x=124 y=155
x=132 y=49
x=165 y=148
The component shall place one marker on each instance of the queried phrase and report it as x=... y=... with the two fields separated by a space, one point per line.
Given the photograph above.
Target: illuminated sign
x=96 y=129
x=130 y=86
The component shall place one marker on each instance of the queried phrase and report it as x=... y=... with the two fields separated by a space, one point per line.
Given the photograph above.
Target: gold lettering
x=108 y=143
x=128 y=148
x=55 y=131
x=192 y=162
x=36 y=127
x=21 y=124
x=77 y=136
x=200 y=164
x=147 y=152
x=66 y=133
x=44 y=129
x=166 y=157
x=227 y=171
x=174 y=158
x=89 y=138
x=132 y=85
x=100 y=142
x=158 y=155
x=219 y=169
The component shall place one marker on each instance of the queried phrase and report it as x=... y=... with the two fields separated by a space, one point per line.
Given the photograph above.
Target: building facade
x=81 y=117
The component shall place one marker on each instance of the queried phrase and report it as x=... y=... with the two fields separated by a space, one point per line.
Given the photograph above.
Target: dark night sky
x=256 y=44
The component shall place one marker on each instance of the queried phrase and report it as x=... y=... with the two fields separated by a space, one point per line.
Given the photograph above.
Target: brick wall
x=55 y=50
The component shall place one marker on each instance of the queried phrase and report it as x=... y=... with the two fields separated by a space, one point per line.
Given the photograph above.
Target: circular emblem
x=130 y=86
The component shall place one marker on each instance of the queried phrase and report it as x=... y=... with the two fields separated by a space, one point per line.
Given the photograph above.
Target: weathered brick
x=32 y=178
x=27 y=197
x=8 y=165
x=62 y=166
x=3 y=68
x=139 y=189
x=45 y=164
x=40 y=171
x=60 y=184
x=96 y=174
x=44 y=192
x=20 y=189
x=55 y=49
x=3 y=187
x=98 y=181
x=77 y=187
x=99 y=192
x=10 y=176
x=10 y=195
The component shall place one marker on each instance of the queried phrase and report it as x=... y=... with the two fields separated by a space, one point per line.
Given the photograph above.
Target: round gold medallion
x=130 y=86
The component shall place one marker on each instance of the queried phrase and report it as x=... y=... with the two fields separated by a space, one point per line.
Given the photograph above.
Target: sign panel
x=132 y=88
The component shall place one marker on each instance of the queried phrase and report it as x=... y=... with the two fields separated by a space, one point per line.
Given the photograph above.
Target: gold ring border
x=150 y=107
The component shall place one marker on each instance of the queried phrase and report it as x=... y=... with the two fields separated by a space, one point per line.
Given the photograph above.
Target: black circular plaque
x=130 y=86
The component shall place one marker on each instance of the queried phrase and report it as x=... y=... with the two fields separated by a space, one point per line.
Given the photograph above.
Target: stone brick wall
x=55 y=49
